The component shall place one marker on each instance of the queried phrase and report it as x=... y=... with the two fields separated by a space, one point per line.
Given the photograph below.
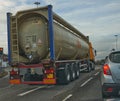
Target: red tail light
x=12 y=72
x=106 y=70
x=47 y=71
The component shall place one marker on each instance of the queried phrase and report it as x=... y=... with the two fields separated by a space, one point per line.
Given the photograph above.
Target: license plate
x=49 y=76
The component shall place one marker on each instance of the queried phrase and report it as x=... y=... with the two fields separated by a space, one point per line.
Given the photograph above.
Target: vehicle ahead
x=110 y=76
x=42 y=41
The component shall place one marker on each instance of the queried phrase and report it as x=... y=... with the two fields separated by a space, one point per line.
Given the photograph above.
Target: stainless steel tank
x=34 y=37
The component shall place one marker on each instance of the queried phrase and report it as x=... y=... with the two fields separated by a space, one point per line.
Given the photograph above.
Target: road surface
x=86 y=88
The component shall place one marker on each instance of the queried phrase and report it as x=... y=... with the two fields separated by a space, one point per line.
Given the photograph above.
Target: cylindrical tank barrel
x=33 y=37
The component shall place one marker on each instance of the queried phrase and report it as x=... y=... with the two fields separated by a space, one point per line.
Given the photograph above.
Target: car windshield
x=115 y=57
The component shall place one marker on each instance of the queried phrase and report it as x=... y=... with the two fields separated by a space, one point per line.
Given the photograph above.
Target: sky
x=98 y=19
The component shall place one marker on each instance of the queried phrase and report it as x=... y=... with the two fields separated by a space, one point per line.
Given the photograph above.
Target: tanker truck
x=43 y=48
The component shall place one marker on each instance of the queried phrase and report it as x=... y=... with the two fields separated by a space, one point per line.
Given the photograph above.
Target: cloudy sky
x=100 y=19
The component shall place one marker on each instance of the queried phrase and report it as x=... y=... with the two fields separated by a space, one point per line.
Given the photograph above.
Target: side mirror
x=95 y=52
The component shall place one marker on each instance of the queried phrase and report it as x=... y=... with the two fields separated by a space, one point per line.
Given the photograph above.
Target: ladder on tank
x=14 y=40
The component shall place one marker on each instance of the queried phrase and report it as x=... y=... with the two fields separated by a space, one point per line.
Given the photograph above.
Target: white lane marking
x=70 y=95
x=22 y=94
x=6 y=87
x=86 y=82
x=96 y=73
x=4 y=77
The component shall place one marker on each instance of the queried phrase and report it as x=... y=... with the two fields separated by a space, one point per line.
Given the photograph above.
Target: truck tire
x=63 y=75
x=88 y=69
x=89 y=66
x=72 y=72
x=93 y=66
x=77 y=70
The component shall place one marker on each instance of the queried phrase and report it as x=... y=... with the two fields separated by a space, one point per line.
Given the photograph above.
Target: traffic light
x=1 y=51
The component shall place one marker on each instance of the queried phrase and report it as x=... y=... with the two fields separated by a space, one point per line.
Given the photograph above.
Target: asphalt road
x=86 y=88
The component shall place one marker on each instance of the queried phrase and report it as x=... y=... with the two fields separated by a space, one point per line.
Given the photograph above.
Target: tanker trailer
x=45 y=49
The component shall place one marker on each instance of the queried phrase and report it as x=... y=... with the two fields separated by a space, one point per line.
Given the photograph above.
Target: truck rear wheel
x=77 y=71
x=63 y=75
x=88 y=69
x=92 y=65
x=72 y=72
